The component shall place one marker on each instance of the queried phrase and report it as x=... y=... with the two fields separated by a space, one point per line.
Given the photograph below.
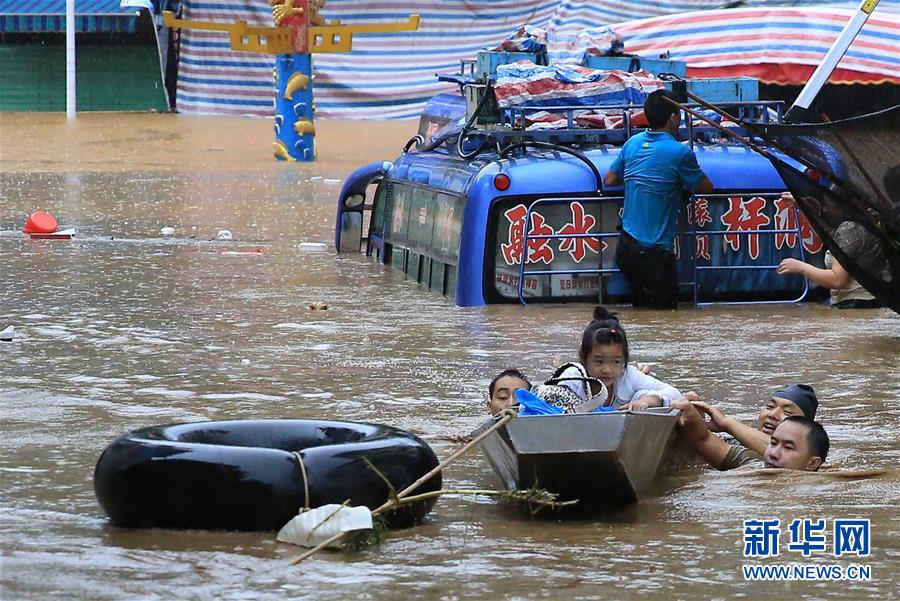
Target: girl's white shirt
x=631 y=386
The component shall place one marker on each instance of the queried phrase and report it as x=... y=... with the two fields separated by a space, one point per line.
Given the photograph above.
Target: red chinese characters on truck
x=538 y=248
x=742 y=215
x=577 y=244
x=745 y=216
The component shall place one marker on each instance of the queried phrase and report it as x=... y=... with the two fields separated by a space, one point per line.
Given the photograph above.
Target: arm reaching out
x=835 y=278
x=692 y=432
x=750 y=437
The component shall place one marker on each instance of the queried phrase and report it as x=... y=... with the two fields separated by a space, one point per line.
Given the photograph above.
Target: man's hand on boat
x=718 y=421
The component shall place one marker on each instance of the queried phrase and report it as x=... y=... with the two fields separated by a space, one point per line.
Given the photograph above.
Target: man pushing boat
x=795 y=442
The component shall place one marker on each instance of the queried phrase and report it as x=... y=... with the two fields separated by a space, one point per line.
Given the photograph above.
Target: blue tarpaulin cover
x=50 y=16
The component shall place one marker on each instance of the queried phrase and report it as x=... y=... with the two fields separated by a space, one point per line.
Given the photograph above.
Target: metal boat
x=610 y=457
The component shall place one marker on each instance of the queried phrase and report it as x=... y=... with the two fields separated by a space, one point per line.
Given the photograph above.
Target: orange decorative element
x=293 y=34
x=314 y=17
x=243 y=37
x=294 y=15
x=334 y=36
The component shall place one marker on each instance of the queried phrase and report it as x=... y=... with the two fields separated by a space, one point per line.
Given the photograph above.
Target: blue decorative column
x=295 y=133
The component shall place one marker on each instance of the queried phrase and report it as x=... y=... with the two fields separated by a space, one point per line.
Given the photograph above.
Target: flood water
x=122 y=328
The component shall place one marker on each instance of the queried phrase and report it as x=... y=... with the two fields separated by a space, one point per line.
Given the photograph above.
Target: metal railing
x=600 y=235
x=772 y=232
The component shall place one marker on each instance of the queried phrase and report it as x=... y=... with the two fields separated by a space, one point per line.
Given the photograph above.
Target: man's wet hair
x=657 y=109
x=816 y=436
x=511 y=372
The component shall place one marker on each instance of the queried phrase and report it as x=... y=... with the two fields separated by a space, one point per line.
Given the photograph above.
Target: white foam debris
x=167 y=231
x=312 y=246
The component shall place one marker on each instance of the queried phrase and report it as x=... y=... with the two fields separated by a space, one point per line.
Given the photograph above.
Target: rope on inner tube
x=299 y=459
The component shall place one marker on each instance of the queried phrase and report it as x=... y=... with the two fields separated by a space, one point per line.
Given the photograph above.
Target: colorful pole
x=295 y=133
x=299 y=31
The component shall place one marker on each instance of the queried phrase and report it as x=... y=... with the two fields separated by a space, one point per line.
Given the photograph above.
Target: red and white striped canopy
x=391 y=75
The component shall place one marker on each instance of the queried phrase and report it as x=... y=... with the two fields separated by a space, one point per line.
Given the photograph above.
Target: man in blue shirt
x=656 y=170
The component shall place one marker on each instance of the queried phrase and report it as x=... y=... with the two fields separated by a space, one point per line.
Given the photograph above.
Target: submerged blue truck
x=487 y=205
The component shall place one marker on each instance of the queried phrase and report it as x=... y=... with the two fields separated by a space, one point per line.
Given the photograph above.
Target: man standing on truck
x=657 y=171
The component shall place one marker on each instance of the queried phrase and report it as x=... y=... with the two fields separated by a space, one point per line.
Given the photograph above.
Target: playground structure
x=299 y=31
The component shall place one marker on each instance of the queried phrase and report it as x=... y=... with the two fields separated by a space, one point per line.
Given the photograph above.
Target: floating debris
x=318 y=525
x=8 y=333
x=42 y=226
x=258 y=251
x=40 y=222
x=318 y=306
x=167 y=231
x=224 y=235
x=312 y=246
x=66 y=234
x=331 y=181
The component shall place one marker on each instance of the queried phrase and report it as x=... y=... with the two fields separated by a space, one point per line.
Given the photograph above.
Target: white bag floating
x=312 y=246
x=317 y=525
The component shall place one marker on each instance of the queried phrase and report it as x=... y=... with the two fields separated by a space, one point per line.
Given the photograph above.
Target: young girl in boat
x=604 y=355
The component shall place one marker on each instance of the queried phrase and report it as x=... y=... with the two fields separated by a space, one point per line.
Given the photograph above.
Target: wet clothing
x=737 y=456
x=656 y=169
x=650 y=273
x=863 y=248
x=631 y=385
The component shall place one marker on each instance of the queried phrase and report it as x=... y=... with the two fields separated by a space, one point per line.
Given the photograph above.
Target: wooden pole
x=723 y=129
x=508 y=415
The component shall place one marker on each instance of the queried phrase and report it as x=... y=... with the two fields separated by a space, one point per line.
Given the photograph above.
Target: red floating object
x=40 y=223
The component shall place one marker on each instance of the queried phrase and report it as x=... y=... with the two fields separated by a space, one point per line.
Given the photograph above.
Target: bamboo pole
x=723 y=129
x=835 y=186
x=390 y=503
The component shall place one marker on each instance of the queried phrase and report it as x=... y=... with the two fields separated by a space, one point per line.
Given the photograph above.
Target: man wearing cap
x=795 y=399
x=797 y=443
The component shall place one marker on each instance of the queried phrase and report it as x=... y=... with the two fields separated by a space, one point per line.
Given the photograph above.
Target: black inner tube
x=257 y=474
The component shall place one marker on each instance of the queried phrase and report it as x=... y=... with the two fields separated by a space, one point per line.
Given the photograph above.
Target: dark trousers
x=650 y=273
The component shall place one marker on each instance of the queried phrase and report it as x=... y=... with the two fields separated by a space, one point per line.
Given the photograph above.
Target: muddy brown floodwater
x=122 y=328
